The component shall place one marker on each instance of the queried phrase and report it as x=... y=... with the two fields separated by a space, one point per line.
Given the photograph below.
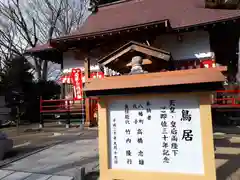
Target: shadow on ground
x=92 y=175
x=57 y=170
x=18 y=153
x=231 y=168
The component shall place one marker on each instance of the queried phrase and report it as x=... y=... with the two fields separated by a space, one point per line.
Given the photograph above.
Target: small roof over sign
x=156 y=59
x=173 y=81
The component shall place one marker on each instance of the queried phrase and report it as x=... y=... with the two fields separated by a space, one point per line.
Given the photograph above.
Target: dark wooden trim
x=138 y=27
x=132 y=45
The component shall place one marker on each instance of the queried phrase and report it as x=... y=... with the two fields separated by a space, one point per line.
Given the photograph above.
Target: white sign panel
x=158 y=135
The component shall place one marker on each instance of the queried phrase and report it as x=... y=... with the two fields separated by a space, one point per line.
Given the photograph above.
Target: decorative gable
x=154 y=59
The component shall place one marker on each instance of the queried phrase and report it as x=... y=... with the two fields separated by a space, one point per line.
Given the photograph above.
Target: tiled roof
x=180 y=14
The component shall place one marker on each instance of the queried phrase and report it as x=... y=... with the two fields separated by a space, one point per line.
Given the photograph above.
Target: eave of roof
x=40 y=48
x=75 y=36
x=46 y=52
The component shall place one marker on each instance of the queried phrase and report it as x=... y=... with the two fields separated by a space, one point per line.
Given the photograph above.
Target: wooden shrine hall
x=187 y=36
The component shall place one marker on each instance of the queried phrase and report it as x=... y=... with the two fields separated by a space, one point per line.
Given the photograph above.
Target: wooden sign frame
x=207 y=141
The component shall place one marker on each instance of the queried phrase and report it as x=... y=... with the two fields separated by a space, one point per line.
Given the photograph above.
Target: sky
x=54 y=69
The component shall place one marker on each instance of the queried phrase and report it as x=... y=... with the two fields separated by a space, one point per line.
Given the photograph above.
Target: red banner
x=76 y=78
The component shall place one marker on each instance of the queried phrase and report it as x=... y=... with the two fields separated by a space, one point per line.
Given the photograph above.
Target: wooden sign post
x=156 y=125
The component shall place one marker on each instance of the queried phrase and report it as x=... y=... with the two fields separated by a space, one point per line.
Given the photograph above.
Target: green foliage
x=16 y=76
x=46 y=90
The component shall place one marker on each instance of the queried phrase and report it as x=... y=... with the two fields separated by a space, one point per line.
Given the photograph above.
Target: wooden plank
x=117 y=55
x=171 y=78
x=150 y=52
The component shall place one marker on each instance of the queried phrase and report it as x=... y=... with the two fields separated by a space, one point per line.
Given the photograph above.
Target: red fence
x=226 y=98
x=67 y=107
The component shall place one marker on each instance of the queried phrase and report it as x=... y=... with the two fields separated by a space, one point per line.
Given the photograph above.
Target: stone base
x=6 y=145
x=87 y=124
x=67 y=126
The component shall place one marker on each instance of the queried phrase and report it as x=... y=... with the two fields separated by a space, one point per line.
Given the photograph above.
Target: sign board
x=156 y=125
x=156 y=135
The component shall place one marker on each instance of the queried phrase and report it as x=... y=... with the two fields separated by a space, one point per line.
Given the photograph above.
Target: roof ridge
x=113 y=3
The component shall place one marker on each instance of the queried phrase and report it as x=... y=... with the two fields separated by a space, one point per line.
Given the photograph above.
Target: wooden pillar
x=63 y=92
x=87 y=101
x=238 y=63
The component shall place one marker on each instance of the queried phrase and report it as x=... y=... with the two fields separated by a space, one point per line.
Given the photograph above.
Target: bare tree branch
x=25 y=24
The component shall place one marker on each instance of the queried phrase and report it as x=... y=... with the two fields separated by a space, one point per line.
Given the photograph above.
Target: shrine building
x=168 y=34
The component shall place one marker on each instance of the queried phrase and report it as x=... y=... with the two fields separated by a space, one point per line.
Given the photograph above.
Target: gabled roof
x=119 y=59
x=127 y=14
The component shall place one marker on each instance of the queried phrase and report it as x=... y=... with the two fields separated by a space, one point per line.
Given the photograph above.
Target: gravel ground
x=227 y=147
x=30 y=139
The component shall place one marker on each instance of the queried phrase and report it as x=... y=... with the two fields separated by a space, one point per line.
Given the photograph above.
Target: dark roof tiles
x=180 y=14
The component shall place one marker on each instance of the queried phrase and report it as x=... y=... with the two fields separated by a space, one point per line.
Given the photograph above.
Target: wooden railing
x=67 y=107
x=224 y=98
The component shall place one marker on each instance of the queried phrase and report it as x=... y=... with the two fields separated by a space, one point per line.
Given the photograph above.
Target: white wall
x=192 y=43
x=71 y=61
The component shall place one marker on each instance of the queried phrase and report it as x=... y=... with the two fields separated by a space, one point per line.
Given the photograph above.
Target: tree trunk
x=45 y=70
x=38 y=68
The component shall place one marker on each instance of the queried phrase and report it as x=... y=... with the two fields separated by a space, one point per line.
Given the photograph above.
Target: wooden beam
x=63 y=91
x=151 y=52
x=87 y=68
x=87 y=100
x=117 y=55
